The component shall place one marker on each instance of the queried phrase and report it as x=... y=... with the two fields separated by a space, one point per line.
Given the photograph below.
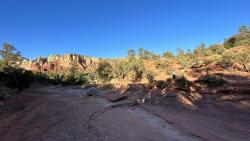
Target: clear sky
x=108 y=28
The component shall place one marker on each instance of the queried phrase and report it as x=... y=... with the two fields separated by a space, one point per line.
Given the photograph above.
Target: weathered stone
x=91 y=91
x=116 y=97
x=60 y=63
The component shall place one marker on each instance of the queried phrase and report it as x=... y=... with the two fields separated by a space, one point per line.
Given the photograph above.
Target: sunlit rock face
x=60 y=63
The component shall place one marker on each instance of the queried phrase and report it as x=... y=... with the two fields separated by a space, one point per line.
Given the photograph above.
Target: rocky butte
x=60 y=63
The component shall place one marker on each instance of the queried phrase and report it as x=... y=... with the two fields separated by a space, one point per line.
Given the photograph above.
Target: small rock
x=91 y=91
x=116 y=98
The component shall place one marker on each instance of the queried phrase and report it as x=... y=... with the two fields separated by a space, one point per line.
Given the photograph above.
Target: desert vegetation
x=209 y=82
x=138 y=66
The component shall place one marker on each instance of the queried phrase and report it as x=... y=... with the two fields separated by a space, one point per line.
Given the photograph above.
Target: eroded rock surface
x=60 y=63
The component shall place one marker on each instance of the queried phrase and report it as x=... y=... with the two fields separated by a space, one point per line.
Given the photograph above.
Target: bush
x=241 y=38
x=168 y=54
x=104 y=71
x=150 y=76
x=16 y=78
x=241 y=57
x=228 y=58
x=217 y=49
x=211 y=59
x=185 y=60
x=81 y=78
x=200 y=51
x=137 y=71
x=121 y=69
x=160 y=65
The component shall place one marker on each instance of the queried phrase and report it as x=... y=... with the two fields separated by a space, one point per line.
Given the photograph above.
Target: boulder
x=116 y=97
x=91 y=91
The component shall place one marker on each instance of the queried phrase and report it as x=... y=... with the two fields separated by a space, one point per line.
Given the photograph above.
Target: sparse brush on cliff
x=239 y=39
x=150 y=76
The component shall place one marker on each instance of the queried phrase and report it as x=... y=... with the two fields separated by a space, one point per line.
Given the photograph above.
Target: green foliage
x=131 y=54
x=211 y=59
x=11 y=75
x=9 y=56
x=81 y=78
x=241 y=57
x=160 y=65
x=186 y=60
x=144 y=54
x=228 y=58
x=16 y=78
x=121 y=69
x=104 y=71
x=200 y=50
x=168 y=54
x=241 y=38
x=136 y=68
x=73 y=70
x=217 y=49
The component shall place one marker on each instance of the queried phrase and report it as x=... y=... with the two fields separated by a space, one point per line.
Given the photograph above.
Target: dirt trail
x=67 y=114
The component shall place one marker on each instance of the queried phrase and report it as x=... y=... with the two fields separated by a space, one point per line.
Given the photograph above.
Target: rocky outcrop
x=60 y=63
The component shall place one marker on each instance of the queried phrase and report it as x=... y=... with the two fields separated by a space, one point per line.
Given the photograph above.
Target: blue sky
x=108 y=28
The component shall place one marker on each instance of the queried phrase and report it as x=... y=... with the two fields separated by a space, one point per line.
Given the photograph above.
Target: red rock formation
x=60 y=63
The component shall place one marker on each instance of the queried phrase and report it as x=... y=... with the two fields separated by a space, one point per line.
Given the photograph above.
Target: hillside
x=195 y=95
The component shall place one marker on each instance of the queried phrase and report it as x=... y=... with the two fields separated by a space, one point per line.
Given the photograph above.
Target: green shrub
x=168 y=54
x=121 y=69
x=211 y=59
x=228 y=58
x=241 y=38
x=217 y=49
x=104 y=71
x=81 y=78
x=186 y=60
x=68 y=79
x=16 y=78
x=136 y=70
